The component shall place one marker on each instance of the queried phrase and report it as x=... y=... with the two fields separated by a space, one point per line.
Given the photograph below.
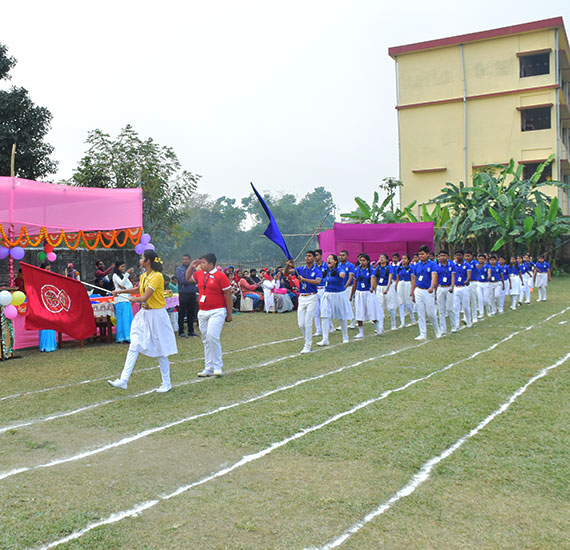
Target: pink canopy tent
x=29 y=206
x=375 y=239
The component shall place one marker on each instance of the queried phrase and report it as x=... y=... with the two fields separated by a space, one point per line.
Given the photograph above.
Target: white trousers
x=131 y=359
x=445 y=307
x=541 y=282
x=461 y=301
x=319 y=330
x=473 y=299
x=502 y=294
x=495 y=289
x=482 y=297
x=305 y=316
x=425 y=303
x=353 y=306
x=211 y=323
x=405 y=301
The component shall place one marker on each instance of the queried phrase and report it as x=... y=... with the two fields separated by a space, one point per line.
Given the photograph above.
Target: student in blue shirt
x=445 y=288
x=349 y=267
x=482 y=285
x=461 y=297
x=424 y=283
x=364 y=294
x=542 y=277
x=504 y=271
x=309 y=278
x=515 y=281
x=335 y=303
x=320 y=290
x=404 y=289
x=529 y=276
x=524 y=288
x=473 y=284
x=496 y=284
x=386 y=288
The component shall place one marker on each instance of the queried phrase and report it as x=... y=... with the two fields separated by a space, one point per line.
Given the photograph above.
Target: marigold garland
x=91 y=239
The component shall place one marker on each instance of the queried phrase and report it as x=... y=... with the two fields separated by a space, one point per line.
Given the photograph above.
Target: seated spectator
x=249 y=289
x=71 y=272
x=254 y=277
x=236 y=292
x=173 y=285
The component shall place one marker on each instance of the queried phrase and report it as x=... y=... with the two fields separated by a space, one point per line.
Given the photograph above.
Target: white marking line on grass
x=150 y=431
x=56 y=416
x=425 y=471
x=63 y=386
x=118 y=516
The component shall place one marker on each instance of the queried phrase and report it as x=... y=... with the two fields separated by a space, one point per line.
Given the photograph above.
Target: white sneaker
x=338 y=329
x=402 y=325
x=420 y=337
x=345 y=341
x=305 y=350
x=323 y=343
x=205 y=374
x=453 y=330
x=318 y=334
x=218 y=373
x=118 y=383
x=358 y=336
x=163 y=388
x=439 y=334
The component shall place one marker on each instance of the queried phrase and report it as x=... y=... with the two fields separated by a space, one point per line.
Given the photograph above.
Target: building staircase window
x=535 y=119
x=535 y=64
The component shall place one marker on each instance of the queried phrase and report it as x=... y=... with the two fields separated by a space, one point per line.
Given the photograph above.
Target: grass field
x=393 y=443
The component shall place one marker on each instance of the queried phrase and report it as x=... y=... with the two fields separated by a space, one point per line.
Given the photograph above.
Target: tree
x=129 y=161
x=26 y=125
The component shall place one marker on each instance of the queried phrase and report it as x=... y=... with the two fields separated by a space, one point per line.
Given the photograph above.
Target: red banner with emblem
x=55 y=302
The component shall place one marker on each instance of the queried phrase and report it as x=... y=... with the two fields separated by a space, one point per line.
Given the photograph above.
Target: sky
x=290 y=95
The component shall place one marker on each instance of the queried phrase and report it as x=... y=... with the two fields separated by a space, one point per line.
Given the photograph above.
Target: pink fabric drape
x=37 y=204
x=374 y=239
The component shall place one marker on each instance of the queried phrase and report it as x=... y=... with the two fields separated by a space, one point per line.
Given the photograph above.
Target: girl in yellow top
x=151 y=331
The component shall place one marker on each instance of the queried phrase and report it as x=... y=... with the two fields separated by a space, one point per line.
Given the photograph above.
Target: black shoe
x=194 y=335
x=183 y=335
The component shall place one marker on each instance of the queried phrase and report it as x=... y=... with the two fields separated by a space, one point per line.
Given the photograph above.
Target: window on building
x=535 y=64
x=535 y=119
x=530 y=168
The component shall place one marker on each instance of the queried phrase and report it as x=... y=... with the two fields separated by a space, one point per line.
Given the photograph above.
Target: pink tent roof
x=375 y=239
x=36 y=204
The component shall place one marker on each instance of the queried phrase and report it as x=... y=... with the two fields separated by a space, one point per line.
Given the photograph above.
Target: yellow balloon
x=18 y=298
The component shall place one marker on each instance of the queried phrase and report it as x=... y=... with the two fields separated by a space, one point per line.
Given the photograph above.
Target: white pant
x=211 y=323
x=320 y=294
x=445 y=307
x=473 y=299
x=425 y=303
x=388 y=301
x=131 y=359
x=353 y=306
x=305 y=315
x=405 y=300
x=482 y=297
x=461 y=301
x=541 y=282
x=495 y=289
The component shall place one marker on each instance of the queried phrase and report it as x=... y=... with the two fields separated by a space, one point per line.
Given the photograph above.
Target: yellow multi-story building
x=469 y=101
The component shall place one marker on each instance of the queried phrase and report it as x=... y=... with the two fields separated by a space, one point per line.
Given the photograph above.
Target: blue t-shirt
x=483 y=273
x=523 y=268
x=382 y=274
x=542 y=267
x=423 y=272
x=461 y=273
x=474 y=270
x=405 y=273
x=444 y=273
x=362 y=276
x=349 y=268
x=504 y=270
x=324 y=270
x=495 y=273
x=334 y=282
x=513 y=269
x=313 y=272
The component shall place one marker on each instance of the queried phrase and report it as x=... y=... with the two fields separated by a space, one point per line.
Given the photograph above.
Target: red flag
x=57 y=303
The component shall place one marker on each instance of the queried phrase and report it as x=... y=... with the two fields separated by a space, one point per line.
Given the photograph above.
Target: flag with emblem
x=55 y=302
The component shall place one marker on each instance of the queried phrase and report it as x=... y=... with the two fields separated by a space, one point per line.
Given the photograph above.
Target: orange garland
x=91 y=239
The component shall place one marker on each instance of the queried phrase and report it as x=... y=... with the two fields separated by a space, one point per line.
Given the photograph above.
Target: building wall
x=432 y=134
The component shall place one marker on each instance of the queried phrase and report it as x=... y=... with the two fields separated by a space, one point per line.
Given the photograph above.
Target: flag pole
x=96 y=287
x=314 y=233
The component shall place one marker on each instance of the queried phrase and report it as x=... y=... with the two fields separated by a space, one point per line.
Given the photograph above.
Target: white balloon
x=5 y=298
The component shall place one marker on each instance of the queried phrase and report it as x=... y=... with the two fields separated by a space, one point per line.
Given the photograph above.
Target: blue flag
x=272 y=232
